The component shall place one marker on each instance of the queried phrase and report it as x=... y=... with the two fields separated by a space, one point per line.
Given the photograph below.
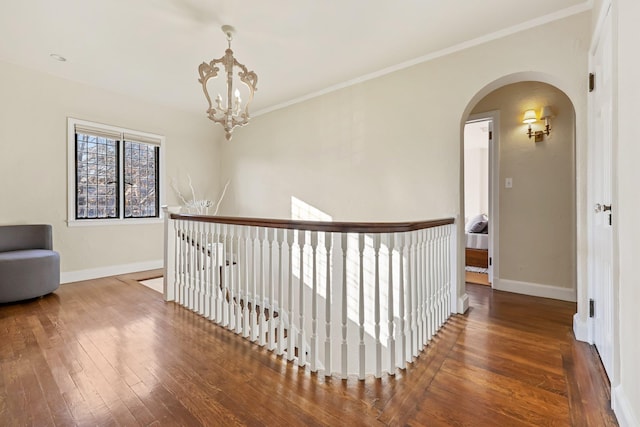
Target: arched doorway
x=534 y=192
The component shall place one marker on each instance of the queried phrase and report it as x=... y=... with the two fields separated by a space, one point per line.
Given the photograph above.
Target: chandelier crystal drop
x=231 y=112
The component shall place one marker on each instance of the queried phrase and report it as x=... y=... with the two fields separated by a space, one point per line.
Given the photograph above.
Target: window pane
x=96 y=176
x=140 y=180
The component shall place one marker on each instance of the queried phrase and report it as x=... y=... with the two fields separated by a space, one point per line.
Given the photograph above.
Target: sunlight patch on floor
x=155 y=284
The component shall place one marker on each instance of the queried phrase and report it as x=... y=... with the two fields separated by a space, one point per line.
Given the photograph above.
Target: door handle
x=601 y=208
x=606 y=208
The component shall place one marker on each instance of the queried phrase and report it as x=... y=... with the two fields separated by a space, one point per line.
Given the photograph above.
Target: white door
x=492 y=211
x=600 y=194
x=480 y=175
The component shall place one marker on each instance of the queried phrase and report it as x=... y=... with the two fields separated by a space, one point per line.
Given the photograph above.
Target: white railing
x=339 y=298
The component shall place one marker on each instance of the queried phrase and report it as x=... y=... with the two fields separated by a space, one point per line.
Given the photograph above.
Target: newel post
x=169 y=255
x=459 y=298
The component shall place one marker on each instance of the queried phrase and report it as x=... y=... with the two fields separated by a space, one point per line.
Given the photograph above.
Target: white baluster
x=376 y=304
x=291 y=336
x=218 y=274
x=185 y=263
x=400 y=237
x=248 y=259
x=191 y=266
x=254 y=308
x=195 y=273
x=361 y=367
x=417 y=294
x=443 y=271
x=344 y=238
x=281 y=237
x=272 y=320
x=433 y=281
x=439 y=282
x=451 y=300
x=425 y=289
x=327 y=306
x=426 y=294
x=188 y=264
x=302 y=339
x=237 y=271
x=201 y=256
x=207 y=269
x=391 y=344
x=225 y=276
x=193 y=295
x=231 y=238
x=429 y=271
x=216 y=278
x=181 y=256
x=413 y=294
x=262 y=322
x=314 y=302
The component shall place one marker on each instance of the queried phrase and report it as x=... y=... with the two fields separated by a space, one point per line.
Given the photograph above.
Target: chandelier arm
x=208 y=71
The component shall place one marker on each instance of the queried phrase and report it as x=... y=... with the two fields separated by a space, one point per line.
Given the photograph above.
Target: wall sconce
x=530 y=117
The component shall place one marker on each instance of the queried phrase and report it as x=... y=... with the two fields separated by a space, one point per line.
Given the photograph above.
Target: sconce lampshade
x=545 y=113
x=529 y=116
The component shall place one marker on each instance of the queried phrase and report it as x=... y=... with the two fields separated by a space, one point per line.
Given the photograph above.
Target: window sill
x=116 y=222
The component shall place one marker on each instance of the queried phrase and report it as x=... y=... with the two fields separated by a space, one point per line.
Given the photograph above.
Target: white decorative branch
x=198 y=206
x=224 y=190
x=177 y=190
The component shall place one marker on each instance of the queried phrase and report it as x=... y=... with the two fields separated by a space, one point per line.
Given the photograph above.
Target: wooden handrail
x=333 y=226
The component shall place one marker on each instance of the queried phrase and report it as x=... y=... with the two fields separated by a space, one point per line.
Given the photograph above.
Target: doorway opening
x=477 y=201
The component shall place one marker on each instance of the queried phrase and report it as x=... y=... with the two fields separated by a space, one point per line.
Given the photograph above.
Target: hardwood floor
x=111 y=352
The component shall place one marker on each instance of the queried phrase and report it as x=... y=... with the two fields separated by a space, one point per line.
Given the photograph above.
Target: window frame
x=137 y=136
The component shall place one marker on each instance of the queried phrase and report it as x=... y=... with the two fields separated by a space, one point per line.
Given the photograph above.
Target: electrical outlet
x=508 y=183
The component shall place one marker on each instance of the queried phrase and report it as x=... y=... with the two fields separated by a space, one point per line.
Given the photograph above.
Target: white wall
x=390 y=148
x=626 y=396
x=33 y=164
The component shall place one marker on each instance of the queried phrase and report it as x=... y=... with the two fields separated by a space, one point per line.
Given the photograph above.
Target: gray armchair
x=29 y=267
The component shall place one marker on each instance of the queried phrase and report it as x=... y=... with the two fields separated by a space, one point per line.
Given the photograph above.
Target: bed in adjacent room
x=477 y=243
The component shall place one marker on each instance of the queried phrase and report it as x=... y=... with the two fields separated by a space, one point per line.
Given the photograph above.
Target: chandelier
x=233 y=113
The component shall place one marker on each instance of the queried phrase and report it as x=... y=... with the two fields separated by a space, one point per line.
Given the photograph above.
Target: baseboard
x=582 y=329
x=535 y=289
x=113 y=270
x=623 y=409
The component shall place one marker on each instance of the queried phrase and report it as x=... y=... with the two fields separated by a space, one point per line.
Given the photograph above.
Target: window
x=114 y=174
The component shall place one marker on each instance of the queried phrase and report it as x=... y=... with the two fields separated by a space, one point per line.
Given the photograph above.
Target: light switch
x=508 y=183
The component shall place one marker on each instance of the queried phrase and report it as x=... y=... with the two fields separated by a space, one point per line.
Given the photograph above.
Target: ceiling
x=151 y=49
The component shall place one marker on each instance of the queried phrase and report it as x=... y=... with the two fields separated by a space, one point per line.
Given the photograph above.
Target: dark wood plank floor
x=111 y=352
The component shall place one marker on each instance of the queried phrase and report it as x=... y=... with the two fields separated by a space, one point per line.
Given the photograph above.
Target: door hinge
x=592 y=308
x=490 y=260
x=592 y=82
x=490 y=135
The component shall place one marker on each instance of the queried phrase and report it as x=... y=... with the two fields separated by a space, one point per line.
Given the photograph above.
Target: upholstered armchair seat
x=29 y=267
